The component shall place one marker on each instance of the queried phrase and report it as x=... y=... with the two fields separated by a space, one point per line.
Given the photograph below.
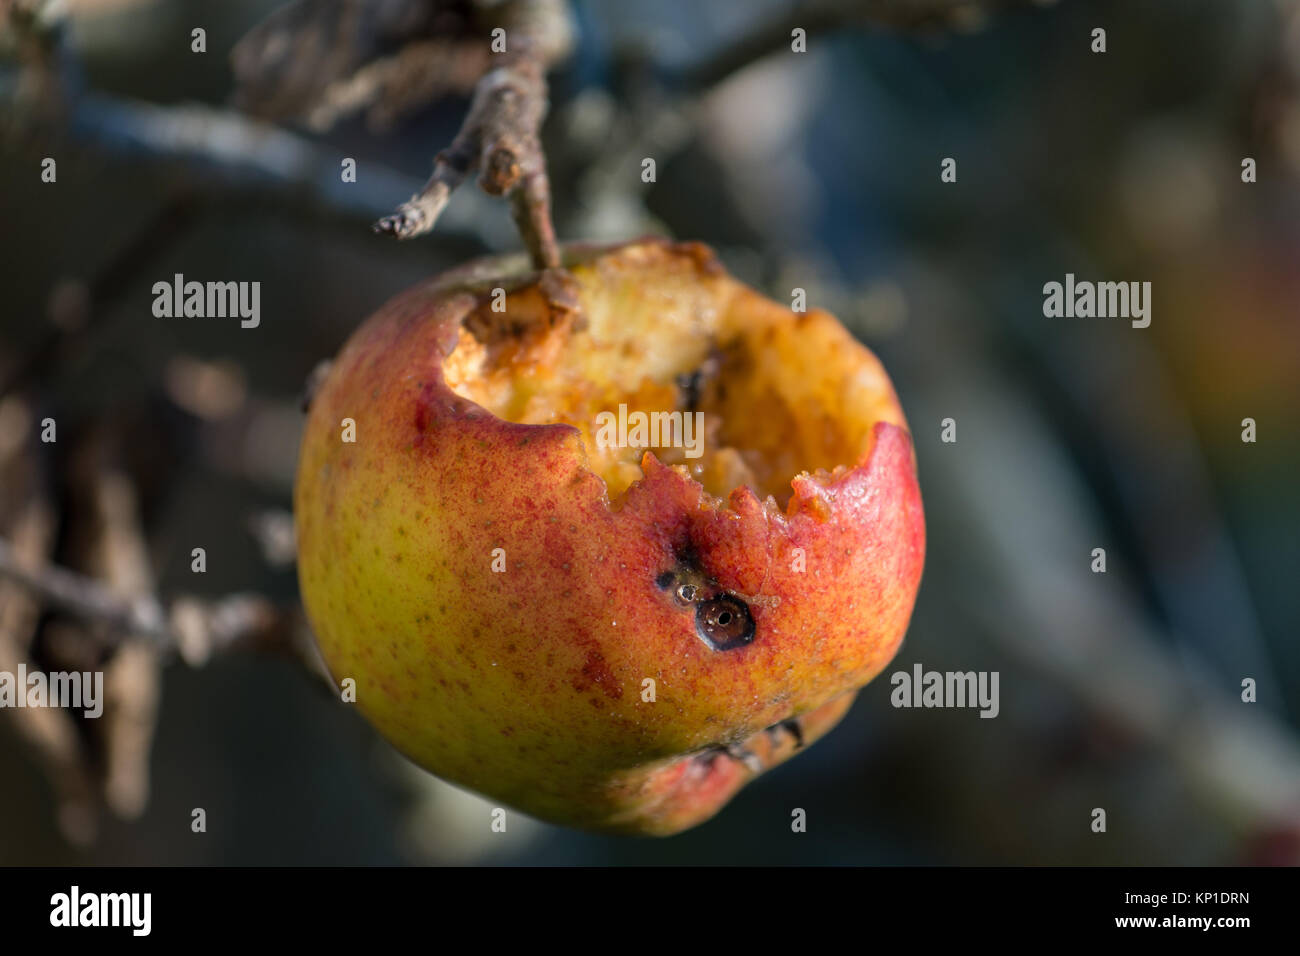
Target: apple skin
x=527 y=685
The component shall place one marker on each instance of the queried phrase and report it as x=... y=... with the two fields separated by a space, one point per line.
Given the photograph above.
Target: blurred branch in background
x=1086 y=634
x=319 y=61
x=225 y=156
x=222 y=153
x=192 y=629
x=323 y=59
x=108 y=620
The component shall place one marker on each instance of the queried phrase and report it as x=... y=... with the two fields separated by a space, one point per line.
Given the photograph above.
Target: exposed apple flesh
x=757 y=585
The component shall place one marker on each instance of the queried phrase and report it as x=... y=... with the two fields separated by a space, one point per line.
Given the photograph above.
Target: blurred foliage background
x=819 y=170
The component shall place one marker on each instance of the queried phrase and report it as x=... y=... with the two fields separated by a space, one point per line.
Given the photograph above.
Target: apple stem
x=500 y=134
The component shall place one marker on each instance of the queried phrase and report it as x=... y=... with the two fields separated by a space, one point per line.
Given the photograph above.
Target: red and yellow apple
x=604 y=636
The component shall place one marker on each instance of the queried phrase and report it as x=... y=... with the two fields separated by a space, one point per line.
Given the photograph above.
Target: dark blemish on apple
x=724 y=622
x=794 y=729
x=691 y=385
x=790 y=726
x=737 y=752
x=706 y=758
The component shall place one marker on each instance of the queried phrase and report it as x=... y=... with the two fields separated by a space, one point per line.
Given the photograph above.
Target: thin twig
x=192 y=628
x=222 y=156
x=500 y=136
x=50 y=731
x=88 y=600
x=322 y=60
x=132 y=675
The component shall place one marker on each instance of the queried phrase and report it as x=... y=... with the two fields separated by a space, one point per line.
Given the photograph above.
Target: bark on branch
x=500 y=135
x=192 y=628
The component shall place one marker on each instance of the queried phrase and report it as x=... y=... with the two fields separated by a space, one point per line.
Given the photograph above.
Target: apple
x=541 y=606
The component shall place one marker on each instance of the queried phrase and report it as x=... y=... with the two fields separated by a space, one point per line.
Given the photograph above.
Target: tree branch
x=88 y=600
x=192 y=628
x=500 y=135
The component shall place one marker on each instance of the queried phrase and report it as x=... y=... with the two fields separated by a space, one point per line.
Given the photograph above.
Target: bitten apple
x=600 y=634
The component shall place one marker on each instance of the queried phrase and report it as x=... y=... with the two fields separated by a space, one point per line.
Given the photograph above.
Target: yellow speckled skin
x=527 y=685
